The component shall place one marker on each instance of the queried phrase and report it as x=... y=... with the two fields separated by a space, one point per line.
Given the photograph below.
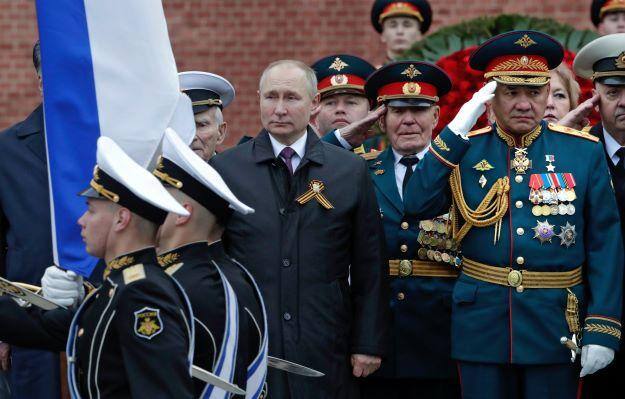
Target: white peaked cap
x=114 y=162
x=183 y=121
x=178 y=152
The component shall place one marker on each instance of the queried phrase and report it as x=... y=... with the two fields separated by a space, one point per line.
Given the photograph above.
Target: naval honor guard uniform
x=541 y=244
x=230 y=330
x=131 y=337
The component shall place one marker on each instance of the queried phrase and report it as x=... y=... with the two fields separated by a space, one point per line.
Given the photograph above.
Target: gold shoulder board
x=572 y=132
x=483 y=130
x=134 y=273
x=368 y=156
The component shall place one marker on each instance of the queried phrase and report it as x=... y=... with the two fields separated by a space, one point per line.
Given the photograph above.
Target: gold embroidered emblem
x=441 y=144
x=379 y=172
x=411 y=72
x=620 y=61
x=168 y=259
x=411 y=88
x=483 y=166
x=600 y=328
x=525 y=41
x=338 y=64
x=522 y=63
x=314 y=191
x=148 y=323
x=118 y=263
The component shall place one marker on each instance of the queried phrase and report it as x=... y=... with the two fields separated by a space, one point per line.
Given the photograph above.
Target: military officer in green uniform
x=420 y=253
x=536 y=218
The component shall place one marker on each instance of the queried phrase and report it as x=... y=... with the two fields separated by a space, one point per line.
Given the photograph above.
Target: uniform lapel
x=384 y=178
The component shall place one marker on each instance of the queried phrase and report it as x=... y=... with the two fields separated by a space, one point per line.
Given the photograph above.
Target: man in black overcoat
x=313 y=244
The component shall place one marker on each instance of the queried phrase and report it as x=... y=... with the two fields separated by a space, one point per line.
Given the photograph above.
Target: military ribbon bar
x=557 y=183
x=547 y=181
x=570 y=181
x=536 y=182
x=314 y=191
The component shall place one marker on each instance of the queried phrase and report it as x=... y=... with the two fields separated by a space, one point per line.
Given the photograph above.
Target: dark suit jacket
x=302 y=256
x=25 y=238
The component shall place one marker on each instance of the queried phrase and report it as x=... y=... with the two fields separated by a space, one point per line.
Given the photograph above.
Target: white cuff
x=341 y=140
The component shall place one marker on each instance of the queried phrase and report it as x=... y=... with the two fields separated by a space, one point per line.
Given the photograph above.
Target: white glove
x=62 y=287
x=471 y=110
x=594 y=358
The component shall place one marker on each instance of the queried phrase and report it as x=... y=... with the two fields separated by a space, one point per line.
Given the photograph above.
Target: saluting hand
x=364 y=365
x=357 y=132
x=577 y=118
x=468 y=114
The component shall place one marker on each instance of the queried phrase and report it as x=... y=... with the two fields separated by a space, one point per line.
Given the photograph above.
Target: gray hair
x=309 y=74
x=219 y=116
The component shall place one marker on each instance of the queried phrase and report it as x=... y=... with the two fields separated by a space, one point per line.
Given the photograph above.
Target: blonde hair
x=570 y=84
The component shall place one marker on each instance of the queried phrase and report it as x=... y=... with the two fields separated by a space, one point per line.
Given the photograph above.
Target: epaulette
x=477 y=132
x=133 y=273
x=572 y=132
x=369 y=156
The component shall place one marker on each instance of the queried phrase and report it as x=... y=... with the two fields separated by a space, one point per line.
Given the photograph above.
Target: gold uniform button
x=520 y=260
x=81 y=332
x=518 y=179
x=403 y=248
x=520 y=231
x=401 y=296
x=404 y=225
x=519 y=204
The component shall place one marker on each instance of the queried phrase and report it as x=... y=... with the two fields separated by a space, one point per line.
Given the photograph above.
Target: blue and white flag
x=108 y=69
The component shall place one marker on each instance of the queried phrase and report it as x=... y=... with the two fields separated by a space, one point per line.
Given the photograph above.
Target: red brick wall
x=237 y=38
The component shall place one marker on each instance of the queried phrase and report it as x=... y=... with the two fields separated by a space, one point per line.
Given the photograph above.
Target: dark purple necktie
x=286 y=154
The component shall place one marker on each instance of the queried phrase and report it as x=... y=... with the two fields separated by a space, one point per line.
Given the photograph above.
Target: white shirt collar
x=611 y=146
x=299 y=146
x=420 y=154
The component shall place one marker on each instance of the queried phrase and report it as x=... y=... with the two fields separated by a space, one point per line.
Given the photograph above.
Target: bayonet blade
x=291 y=367
x=212 y=379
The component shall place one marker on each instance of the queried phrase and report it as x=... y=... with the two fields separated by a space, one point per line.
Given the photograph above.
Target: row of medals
x=552 y=201
x=436 y=244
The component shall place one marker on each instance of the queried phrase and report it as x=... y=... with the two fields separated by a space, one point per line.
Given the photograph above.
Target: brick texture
x=238 y=38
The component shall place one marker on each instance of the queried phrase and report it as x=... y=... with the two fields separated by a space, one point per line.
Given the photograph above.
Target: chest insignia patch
x=148 y=323
x=483 y=166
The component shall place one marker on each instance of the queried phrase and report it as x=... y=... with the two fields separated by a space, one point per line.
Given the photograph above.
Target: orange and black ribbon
x=314 y=191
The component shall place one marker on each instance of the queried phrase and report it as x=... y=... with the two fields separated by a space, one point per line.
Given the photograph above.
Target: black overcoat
x=320 y=270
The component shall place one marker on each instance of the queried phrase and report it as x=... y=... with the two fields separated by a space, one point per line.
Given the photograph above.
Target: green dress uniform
x=541 y=245
x=420 y=254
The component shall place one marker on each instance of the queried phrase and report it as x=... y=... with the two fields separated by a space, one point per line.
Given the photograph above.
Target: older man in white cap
x=210 y=94
x=603 y=61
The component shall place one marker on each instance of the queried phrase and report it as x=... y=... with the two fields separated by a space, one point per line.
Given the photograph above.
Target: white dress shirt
x=299 y=147
x=611 y=146
x=400 y=169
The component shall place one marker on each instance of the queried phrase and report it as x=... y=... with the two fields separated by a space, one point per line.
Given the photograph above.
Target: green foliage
x=451 y=39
